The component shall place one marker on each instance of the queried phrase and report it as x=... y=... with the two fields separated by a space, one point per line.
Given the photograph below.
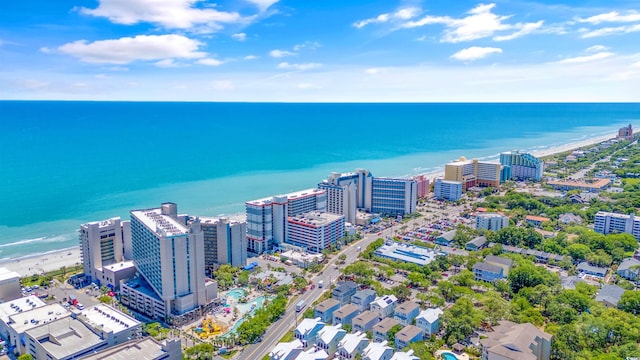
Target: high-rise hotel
x=521 y=166
x=473 y=173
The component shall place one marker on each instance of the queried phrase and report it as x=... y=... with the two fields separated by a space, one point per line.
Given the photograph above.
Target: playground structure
x=208 y=328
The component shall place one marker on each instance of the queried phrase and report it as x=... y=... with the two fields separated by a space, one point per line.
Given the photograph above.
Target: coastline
x=56 y=259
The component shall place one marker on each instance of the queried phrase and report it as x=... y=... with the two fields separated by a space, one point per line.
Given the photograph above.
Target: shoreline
x=56 y=259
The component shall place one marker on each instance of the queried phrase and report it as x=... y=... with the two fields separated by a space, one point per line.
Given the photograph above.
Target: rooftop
x=119 y=266
x=408 y=333
x=407 y=253
x=478 y=241
x=6 y=274
x=313 y=354
x=487 y=267
x=315 y=218
x=351 y=341
x=140 y=349
x=596 y=184
x=307 y=325
x=449 y=235
x=585 y=267
x=283 y=349
x=345 y=286
x=346 y=310
x=19 y=305
x=376 y=351
x=407 y=306
x=513 y=341
x=108 y=318
x=163 y=225
x=327 y=304
x=430 y=315
x=610 y=294
x=328 y=333
x=537 y=218
x=498 y=260
x=385 y=325
x=384 y=301
x=627 y=263
x=365 y=317
x=141 y=285
x=65 y=337
x=290 y=196
x=401 y=355
x=24 y=321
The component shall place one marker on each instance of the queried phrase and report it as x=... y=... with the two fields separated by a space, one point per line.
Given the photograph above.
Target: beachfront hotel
x=347 y=192
x=102 y=243
x=169 y=256
x=225 y=242
x=608 y=223
x=315 y=231
x=267 y=217
x=473 y=173
x=520 y=166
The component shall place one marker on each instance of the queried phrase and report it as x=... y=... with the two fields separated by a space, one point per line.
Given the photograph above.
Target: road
x=290 y=318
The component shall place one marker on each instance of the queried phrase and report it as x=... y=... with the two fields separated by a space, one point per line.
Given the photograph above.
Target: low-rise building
x=325 y=309
x=307 y=331
x=446 y=239
x=146 y=348
x=629 y=268
x=478 y=243
x=9 y=285
x=511 y=341
x=491 y=221
x=113 y=274
x=406 y=253
x=363 y=298
x=345 y=314
x=377 y=351
x=566 y=185
x=329 y=337
x=384 y=306
x=585 y=268
x=365 y=321
x=381 y=329
x=313 y=354
x=406 y=312
x=351 y=345
x=609 y=295
x=138 y=295
x=343 y=291
x=569 y=218
x=401 y=355
x=429 y=321
x=536 y=220
x=504 y=263
x=447 y=190
x=286 y=350
x=488 y=272
x=407 y=335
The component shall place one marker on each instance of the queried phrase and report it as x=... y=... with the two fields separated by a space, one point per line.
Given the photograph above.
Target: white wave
x=44 y=239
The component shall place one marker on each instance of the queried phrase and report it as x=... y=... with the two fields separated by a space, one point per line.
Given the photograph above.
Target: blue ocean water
x=65 y=163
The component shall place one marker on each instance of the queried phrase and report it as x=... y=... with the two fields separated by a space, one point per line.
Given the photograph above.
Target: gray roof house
x=629 y=268
x=511 y=341
x=609 y=295
x=477 y=243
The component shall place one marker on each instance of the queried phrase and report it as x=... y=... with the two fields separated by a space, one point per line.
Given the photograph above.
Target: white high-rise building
x=348 y=192
x=169 y=255
x=101 y=244
x=491 y=221
x=607 y=223
x=315 y=231
x=225 y=242
x=267 y=218
x=447 y=189
x=390 y=196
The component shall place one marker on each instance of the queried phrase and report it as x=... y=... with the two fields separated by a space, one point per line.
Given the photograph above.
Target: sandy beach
x=54 y=260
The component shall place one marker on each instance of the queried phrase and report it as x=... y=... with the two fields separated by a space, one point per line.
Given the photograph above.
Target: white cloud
x=307 y=66
x=102 y=76
x=210 y=62
x=479 y=23
x=400 y=14
x=222 y=85
x=475 y=53
x=129 y=49
x=597 y=48
x=611 y=31
x=166 y=63
x=116 y=68
x=586 y=58
x=31 y=84
x=525 y=29
x=636 y=64
x=250 y=57
x=613 y=16
x=372 y=71
x=240 y=36
x=311 y=45
x=280 y=53
x=306 y=86
x=174 y=14
x=45 y=50
x=262 y=4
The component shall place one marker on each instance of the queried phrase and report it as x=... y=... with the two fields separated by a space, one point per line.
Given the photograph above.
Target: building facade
x=473 y=173
x=423 y=185
x=267 y=218
x=225 y=242
x=608 y=223
x=393 y=197
x=315 y=231
x=101 y=244
x=521 y=166
x=625 y=133
x=447 y=190
x=347 y=192
x=491 y=221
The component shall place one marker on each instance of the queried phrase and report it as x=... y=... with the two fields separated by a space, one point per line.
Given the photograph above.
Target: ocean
x=66 y=163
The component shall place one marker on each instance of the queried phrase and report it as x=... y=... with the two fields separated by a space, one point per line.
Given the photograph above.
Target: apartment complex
x=315 y=231
x=491 y=221
x=625 y=133
x=423 y=185
x=447 y=190
x=102 y=243
x=607 y=223
x=521 y=166
x=267 y=218
x=169 y=256
x=225 y=242
x=347 y=192
x=394 y=197
x=473 y=173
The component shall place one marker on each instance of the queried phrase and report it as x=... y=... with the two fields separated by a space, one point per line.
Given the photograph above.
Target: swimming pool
x=245 y=308
x=236 y=293
x=449 y=356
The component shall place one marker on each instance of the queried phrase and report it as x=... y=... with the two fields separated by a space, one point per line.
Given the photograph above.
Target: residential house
x=511 y=341
x=401 y=355
x=344 y=291
x=446 y=239
x=569 y=282
x=609 y=295
x=286 y=350
x=377 y=351
x=384 y=306
x=406 y=312
x=351 y=345
x=407 y=335
x=488 y=272
x=569 y=218
x=381 y=329
x=363 y=298
x=585 y=268
x=429 y=321
x=325 y=309
x=313 y=354
x=365 y=321
x=478 y=243
x=329 y=337
x=504 y=263
x=307 y=331
x=345 y=314
x=629 y=268
x=536 y=220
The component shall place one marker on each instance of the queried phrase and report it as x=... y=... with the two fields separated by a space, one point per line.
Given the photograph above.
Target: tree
x=461 y=319
x=630 y=302
x=391 y=334
x=401 y=292
x=25 y=357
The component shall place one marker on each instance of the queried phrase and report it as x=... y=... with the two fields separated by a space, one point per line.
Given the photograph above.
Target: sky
x=320 y=51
